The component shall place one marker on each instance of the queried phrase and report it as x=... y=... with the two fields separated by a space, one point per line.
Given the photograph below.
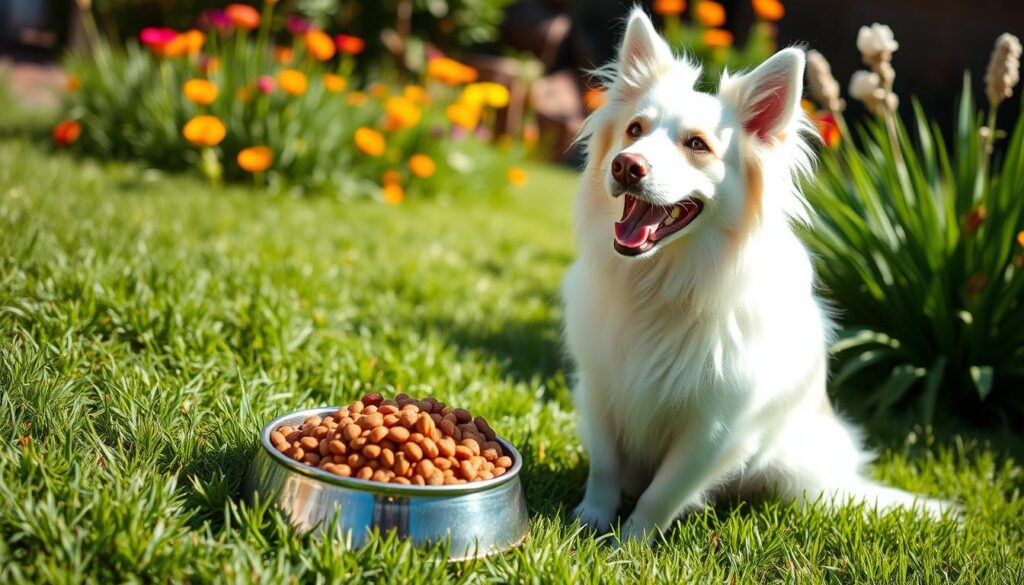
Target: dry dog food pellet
x=403 y=441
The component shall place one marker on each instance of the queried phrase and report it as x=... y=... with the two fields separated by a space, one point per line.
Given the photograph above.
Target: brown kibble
x=468 y=428
x=377 y=435
x=418 y=480
x=443 y=463
x=286 y=430
x=319 y=432
x=355 y=408
x=407 y=418
x=390 y=420
x=278 y=440
x=498 y=471
x=296 y=453
x=371 y=451
x=416 y=438
x=379 y=475
x=356 y=460
x=364 y=473
x=401 y=398
x=436 y=478
x=343 y=470
x=293 y=436
x=472 y=444
x=387 y=458
x=425 y=425
x=503 y=461
x=311 y=459
x=489 y=454
x=440 y=408
x=462 y=415
x=398 y=434
x=425 y=467
x=327 y=465
x=436 y=418
x=387 y=409
x=324 y=448
x=401 y=480
x=389 y=444
x=351 y=432
x=463 y=452
x=402 y=466
x=450 y=480
x=370 y=421
x=468 y=470
x=485 y=475
x=338 y=459
x=372 y=399
x=309 y=443
x=450 y=417
x=484 y=428
x=337 y=447
x=373 y=464
x=430 y=449
x=358 y=443
x=312 y=421
x=412 y=451
x=446 y=446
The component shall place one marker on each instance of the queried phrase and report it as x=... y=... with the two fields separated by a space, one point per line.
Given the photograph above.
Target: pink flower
x=265 y=83
x=217 y=19
x=157 y=37
x=299 y=26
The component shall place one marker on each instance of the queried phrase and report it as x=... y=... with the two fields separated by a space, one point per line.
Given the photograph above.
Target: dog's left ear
x=767 y=99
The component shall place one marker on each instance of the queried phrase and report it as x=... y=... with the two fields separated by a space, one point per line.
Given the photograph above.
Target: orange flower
x=209 y=65
x=463 y=115
x=531 y=134
x=67 y=132
x=356 y=98
x=422 y=166
x=204 y=131
x=319 y=44
x=292 y=81
x=974 y=219
x=334 y=83
x=200 y=91
x=370 y=141
x=284 y=55
x=668 y=7
x=349 y=44
x=379 y=90
x=391 y=176
x=828 y=128
x=450 y=71
x=255 y=159
x=594 y=98
x=415 y=94
x=716 y=37
x=516 y=176
x=192 y=41
x=243 y=16
x=770 y=10
x=1020 y=239
x=73 y=83
x=710 y=13
x=401 y=113
x=392 y=193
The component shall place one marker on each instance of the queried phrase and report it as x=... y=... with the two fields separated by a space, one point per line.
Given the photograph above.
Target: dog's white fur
x=701 y=365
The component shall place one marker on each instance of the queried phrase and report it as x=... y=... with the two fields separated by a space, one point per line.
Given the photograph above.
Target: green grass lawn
x=150 y=325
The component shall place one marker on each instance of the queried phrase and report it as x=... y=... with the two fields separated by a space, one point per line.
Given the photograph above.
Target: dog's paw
x=593 y=517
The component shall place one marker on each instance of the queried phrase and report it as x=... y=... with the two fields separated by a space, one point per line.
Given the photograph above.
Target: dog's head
x=681 y=161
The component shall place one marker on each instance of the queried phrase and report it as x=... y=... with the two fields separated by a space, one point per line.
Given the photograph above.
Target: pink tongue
x=637 y=227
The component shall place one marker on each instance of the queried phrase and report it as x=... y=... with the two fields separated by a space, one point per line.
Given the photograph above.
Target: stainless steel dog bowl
x=479 y=518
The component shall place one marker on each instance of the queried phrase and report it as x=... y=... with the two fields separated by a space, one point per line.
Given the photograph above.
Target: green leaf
x=931 y=388
x=982 y=377
x=896 y=386
x=861 y=362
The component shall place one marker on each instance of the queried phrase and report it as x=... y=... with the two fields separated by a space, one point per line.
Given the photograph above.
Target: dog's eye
x=697 y=143
x=635 y=130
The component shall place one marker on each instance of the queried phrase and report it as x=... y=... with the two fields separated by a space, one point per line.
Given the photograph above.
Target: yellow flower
x=193 y=41
x=334 y=83
x=370 y=141
x=401 y=113
x=415 y=94
x=255 y=159
x=200 y=91
x=204 y=131
x=710 y=13
x=463 y=115
x=770 y=10
x=473 y=95
x=496 y=94
x=422 y=166
x=319 y=44
x=356 y=98
x=73 y=83
x=292 y=81
x=516 y=176
x=392 y=193
x=716 y=37
x=450 y=71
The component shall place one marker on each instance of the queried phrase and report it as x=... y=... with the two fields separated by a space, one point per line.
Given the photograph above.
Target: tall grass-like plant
x=919 y=243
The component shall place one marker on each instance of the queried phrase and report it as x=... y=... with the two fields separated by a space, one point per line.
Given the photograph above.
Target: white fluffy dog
x=699 y=343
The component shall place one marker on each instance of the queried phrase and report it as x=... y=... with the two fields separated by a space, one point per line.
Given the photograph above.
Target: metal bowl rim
x=377 y=487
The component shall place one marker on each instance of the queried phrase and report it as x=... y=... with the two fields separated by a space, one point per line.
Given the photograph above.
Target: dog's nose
x=629 y=167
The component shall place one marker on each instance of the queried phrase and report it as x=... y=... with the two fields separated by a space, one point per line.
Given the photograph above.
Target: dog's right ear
x=642 y=50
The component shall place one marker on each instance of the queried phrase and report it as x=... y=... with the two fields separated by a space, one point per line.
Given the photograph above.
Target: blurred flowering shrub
x=226 y=99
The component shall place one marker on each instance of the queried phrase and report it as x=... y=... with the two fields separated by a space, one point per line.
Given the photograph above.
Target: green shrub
x=920 y=247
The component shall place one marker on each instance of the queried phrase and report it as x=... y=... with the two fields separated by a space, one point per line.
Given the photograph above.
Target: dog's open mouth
x=643 y=224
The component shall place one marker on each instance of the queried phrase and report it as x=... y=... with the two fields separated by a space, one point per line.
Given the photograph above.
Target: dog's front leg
x=604 y=488
x=693 y=462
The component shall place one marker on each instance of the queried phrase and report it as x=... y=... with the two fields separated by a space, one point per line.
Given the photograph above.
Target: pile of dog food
x=404 y=441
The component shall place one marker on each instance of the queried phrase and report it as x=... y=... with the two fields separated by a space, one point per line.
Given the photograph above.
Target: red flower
x=243 y=16
x=66 y=133
x=828 y=128
x=349 y=44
